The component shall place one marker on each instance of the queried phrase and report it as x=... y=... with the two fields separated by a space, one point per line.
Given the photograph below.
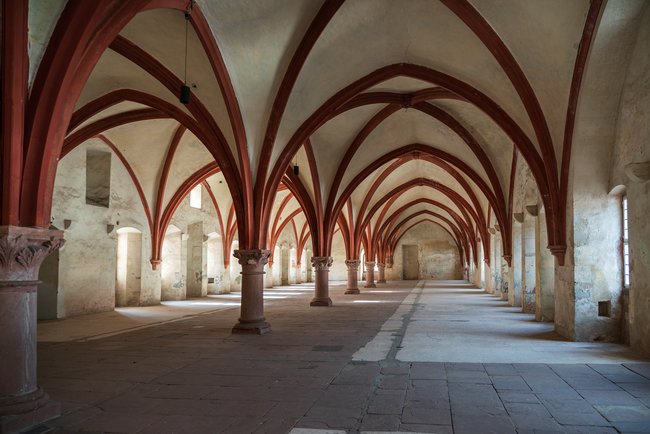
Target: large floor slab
x=348 y=368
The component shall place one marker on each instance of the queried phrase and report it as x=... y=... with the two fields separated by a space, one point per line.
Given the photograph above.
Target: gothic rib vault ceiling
x=433 y=78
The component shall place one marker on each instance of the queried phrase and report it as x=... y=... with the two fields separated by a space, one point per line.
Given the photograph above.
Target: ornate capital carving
x=23 y=250
x=352 y=264
x=518 y=216
x=381 y=265
x=321 y=263
x=508 y=259
x=155 y=263
x=255 y=257
x=370 y=264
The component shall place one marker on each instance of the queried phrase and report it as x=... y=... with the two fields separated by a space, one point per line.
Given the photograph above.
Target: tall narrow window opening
x=626 y=246
x=195 y=197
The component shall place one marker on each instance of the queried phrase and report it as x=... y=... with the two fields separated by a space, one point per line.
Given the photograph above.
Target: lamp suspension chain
x=185 y=89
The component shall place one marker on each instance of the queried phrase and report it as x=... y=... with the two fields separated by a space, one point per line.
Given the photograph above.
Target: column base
x=18 y=414
x=353 y=291
x=321 y=302
x=372 y=285
x=381 y=281
x=251 y=328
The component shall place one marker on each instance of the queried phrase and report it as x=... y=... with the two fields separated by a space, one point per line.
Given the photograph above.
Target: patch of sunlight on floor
x=373 y=301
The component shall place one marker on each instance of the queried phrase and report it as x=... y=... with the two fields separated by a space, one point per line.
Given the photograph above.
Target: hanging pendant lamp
x=185 y=89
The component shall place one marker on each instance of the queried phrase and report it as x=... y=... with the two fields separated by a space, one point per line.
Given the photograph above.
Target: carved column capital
x=370 y=264
x=252 y=257
x=23 y=250
x=352 y=264
x=381 y=265
x=321 y=263
x=252 y=261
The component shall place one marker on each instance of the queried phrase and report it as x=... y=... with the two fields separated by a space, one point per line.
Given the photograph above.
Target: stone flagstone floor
x=435 y=357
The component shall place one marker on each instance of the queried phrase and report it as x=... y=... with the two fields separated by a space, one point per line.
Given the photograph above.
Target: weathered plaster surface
x=545 y=272
x=514 y=296
x=530 y=266
x=633 y=146
x=437 y=254
x=87 y=263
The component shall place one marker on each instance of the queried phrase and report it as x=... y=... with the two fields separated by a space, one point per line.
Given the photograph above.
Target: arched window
x=626 y=246
x=195 y=197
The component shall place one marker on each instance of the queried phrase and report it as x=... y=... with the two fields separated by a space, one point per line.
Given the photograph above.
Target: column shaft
x=382 y=278
x=370 y=275
x=251 y=320
x=322 y=266
x=353 y=269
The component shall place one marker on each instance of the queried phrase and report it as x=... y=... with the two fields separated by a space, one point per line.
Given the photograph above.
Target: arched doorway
x=129 y=267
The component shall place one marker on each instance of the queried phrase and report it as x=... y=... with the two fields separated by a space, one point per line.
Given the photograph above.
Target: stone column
x=298 y=273
x=370 y=275
x=22 y=251
x=382 y=267
x=353 y=269
x=251 y=320
x=322 y=266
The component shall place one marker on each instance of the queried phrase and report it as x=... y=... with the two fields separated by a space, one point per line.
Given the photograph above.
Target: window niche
x=626 y=245
x=98 y=178
x=195 y=197
x=605 y=308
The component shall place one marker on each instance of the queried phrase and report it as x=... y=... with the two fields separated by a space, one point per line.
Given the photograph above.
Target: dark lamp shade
x=185 y=94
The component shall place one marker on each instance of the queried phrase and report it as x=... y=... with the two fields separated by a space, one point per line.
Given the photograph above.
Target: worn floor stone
x=189 y=374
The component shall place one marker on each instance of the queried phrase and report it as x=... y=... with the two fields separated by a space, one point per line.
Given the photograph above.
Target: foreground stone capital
x=322 y=266
x=22 y=251
x=251 y=320
x=353 y=269
x=322 y=263
x=253 y=258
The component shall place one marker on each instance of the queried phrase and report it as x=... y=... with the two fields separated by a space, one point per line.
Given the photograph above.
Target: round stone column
x=370 y=275
x=353 y=269
x=382 y=267
x=322 y=266
x=22 y=251
x=251 y=319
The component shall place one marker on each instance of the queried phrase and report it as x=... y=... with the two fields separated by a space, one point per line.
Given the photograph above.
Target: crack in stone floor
x=384 y=376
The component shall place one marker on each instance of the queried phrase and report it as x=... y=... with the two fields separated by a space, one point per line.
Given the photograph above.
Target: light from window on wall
x=626 y=246
x=195 y=197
